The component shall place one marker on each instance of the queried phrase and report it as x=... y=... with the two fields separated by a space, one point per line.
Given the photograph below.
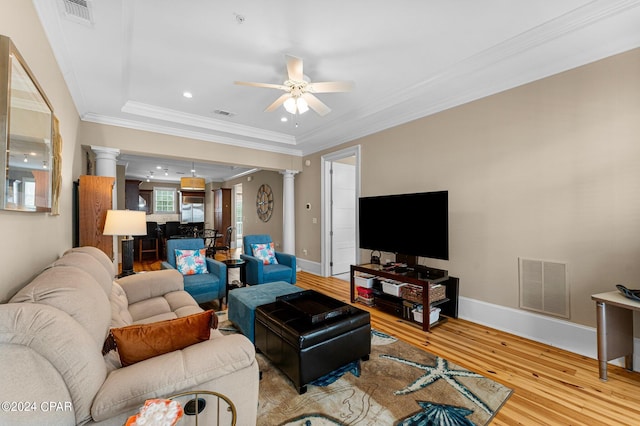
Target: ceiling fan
x=299 y=96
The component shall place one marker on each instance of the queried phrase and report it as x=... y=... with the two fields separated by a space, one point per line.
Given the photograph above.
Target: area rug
x=399 y=385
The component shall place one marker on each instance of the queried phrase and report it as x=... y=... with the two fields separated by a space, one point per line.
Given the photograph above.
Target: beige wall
x=132 y=141
x=251 y=223
x=545 y=171
x=32 y=240
x=307 y=190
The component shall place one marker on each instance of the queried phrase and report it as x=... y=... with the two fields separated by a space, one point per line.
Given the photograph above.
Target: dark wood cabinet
x=131 y=194
x=145 y=199
x=136 y=198
x=221 y=209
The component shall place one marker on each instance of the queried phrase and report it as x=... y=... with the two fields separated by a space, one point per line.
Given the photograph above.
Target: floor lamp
x=126 y=223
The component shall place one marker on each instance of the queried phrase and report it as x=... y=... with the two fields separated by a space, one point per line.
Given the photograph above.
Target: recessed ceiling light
x=159 y=167
x=188 y=95
x=284 y=119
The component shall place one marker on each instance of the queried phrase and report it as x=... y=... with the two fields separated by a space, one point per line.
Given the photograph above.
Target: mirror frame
x=9 y=52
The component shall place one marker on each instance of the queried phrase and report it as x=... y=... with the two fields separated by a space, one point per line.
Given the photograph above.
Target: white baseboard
x=555 y=332
x=309 y=266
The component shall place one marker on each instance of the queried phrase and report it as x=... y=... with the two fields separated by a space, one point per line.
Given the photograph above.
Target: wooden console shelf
x=423 y=277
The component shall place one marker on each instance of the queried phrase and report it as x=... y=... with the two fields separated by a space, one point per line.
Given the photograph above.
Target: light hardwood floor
x=551 y=386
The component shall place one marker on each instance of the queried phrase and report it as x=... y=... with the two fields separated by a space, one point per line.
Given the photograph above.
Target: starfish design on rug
x=436 y=414
x=440 y=371
x=380 y=338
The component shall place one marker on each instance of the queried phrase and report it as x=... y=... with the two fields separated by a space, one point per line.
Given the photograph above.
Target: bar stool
x=152 y=242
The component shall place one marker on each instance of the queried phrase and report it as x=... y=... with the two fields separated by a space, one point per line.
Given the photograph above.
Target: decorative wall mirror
x=26 y=135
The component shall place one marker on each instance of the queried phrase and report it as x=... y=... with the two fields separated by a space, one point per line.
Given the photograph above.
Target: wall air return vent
x=543 y=287
x=78 y=11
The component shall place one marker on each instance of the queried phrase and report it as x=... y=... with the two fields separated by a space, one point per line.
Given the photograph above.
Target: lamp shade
x=125 y=222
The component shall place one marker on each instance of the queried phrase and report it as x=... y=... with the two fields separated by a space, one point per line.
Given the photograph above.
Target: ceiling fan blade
x=316 y=104
x=277 y=102
x=330 y=86
x=294 y=68
x=267 y=85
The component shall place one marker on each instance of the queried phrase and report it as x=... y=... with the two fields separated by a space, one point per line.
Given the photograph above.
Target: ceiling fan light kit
x=299 y=96
x=296 y=105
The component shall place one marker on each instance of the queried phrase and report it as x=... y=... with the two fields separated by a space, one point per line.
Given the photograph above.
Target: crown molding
x=164 y=114
x=480 y=75
x=173 y=131
x=489 y=72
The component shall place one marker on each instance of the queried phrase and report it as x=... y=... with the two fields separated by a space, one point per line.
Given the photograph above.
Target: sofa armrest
x=290 y=261
x=219 y=269
x=166 y=265
x=48 y=336
x=127 y=388
x=253 y=270
x=146 y=285
x=286 y=259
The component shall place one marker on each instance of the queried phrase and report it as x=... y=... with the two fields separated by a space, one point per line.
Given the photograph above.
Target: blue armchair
x=256 y=272
x=203 y=287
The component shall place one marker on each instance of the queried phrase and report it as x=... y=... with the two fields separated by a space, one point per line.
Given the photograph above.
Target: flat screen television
x=410 y=224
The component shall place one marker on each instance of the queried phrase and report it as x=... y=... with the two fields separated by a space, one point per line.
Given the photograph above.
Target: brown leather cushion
x=136 y=343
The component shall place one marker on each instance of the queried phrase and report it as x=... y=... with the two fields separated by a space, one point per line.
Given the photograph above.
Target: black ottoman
x=308 y=335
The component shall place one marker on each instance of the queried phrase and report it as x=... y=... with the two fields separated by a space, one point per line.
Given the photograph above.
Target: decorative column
x=106 y=166
x=105 y=160
x=288 y=212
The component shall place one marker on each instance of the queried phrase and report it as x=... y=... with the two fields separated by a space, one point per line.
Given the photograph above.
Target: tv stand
x=422 y=276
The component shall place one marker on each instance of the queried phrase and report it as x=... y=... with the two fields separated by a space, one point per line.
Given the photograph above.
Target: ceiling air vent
x=224 y=113
x=78 y=11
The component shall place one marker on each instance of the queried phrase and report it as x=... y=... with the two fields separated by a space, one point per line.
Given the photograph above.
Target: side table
x=614 y=314
x=232 y=264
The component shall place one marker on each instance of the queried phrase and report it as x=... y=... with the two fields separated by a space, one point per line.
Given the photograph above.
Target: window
x=164 y=200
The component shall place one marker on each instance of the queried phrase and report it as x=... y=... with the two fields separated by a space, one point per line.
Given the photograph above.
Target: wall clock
x=264 y=202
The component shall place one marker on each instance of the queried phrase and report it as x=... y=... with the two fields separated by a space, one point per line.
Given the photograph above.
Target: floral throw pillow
x=265 y=252
x=191 y=262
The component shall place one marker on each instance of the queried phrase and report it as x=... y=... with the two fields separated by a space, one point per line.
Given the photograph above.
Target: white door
x=343 y=217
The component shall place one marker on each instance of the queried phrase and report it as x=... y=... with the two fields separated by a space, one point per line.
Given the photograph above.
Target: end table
x=231 y=264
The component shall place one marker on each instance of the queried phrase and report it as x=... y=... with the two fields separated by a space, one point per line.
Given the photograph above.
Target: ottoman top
x=296 y=327
x=315 y=306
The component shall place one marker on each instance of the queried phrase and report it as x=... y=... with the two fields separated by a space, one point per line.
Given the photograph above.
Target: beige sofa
x=52 y=367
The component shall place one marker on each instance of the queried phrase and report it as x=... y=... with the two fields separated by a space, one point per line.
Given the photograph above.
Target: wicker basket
x=413 y=292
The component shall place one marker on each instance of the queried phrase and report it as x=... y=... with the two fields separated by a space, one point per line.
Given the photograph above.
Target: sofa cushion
x=63 y=342
x=127 y=388
x=138 y=342
x=172 y=305
x=90 y=265
x=265 y=252
x=120 y=315
x=43 y=383
x=191 y=262
x=277 y=272
x=74 y=292
x=99 y=255
x=147 y=285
